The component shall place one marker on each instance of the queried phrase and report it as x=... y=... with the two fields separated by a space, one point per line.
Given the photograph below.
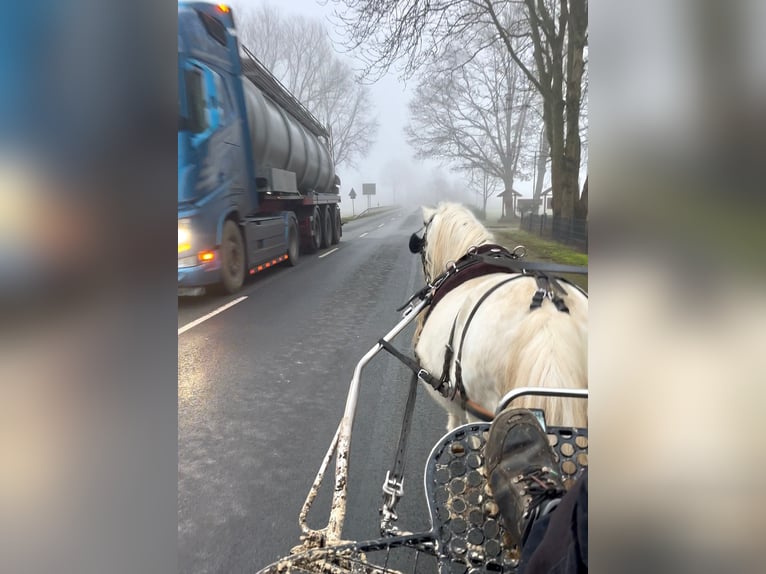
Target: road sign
x=368 y=189
x=352 y=193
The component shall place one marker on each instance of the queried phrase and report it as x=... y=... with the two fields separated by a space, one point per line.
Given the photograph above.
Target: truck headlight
x=184 y=235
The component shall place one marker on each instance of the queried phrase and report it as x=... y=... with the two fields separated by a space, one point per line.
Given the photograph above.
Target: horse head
x=450 y=230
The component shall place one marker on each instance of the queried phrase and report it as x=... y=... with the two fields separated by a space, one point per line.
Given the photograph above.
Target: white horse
x=507 y=345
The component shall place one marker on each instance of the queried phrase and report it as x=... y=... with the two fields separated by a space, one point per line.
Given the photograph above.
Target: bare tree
x=417 y=33
x=541 y=163
x=298 y=51
x=441 y=188
x=476 y=116
x=485 y=186
x=261 y=31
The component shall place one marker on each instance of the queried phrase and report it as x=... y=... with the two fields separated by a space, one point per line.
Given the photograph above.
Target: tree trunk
x=484 y=195
x=563 y=177
x=508 y=183
x=577 y=23
x=581 y=208
x=542 y=161
x=561 y=109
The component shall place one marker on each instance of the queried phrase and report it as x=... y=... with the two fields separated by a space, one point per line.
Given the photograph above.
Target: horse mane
x=453 y=231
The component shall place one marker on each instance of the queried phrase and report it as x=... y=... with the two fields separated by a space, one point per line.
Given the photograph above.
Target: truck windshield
x=196 y=118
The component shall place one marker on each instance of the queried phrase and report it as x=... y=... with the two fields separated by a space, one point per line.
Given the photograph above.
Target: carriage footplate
x=466 y=518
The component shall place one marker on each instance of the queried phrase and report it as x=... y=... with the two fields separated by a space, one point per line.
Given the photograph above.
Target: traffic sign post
x=352 y=195
x=368 y=189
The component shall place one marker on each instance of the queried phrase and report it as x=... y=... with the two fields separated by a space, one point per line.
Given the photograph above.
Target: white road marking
x=381 y=225
x=204 y=318
x=363 y=234
x=328 y=253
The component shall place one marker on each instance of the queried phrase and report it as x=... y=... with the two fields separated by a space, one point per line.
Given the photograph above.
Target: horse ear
x=428 y=213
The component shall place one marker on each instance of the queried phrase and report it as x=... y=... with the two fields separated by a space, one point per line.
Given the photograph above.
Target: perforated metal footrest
x=469 y=533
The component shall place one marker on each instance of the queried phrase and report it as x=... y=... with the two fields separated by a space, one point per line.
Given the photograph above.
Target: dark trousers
x=558 y=542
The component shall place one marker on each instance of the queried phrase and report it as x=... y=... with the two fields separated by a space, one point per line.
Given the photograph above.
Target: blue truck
x=256 y=179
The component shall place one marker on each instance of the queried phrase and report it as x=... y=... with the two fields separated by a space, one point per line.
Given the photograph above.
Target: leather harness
x=479 y=261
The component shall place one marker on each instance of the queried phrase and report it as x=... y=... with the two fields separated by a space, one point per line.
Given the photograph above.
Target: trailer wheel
x=326 y=226
x=316 y=232
x=336 y=231
x=232 y=257
x=293 y=244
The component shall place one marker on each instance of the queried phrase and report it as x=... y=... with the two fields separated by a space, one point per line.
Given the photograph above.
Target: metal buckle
x=519 y=251
x=422 y=373
x=394 y=490
x=437 y=282
x=549 y=294
x=393 y=487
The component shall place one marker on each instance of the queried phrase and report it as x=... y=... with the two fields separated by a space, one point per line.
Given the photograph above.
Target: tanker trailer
x=256 y=179
x=282 y=139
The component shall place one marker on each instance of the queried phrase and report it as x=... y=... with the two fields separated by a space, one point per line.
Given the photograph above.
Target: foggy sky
x=390 y=97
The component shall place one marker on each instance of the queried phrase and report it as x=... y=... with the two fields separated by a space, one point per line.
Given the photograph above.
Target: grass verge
x=539 y=249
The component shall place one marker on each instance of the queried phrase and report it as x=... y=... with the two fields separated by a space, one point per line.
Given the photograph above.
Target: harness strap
x=393 y=485
x=490 y=258
x=449 y=352
x=402 y=447
x=413 y=365
x=458 y=364
x=543 y=288
x=440 y=385
x=484 y=260
x=548 y=287
x=556 y=295
x=479 y=261
x=478 y=411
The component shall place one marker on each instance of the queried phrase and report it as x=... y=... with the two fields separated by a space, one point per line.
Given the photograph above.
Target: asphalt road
x=261 y=389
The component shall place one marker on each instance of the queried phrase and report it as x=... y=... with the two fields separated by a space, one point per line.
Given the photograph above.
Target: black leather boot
x=522 y=471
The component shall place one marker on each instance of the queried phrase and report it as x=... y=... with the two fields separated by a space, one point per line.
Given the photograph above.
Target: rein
x=441 y=385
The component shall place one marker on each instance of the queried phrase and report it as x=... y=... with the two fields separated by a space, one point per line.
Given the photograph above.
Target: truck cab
x=212 y=166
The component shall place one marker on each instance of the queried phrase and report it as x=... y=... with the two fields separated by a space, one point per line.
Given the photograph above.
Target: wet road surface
x=262 y=386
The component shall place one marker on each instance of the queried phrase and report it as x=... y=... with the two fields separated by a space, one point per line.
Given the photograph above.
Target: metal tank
x=279 y=140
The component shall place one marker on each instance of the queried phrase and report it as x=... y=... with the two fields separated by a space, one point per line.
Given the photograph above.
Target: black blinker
x=416 y=243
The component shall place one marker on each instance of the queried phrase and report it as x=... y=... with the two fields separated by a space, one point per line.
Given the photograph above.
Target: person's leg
x=558 y=542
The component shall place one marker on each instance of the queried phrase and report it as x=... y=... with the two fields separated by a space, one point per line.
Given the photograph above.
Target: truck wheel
x=326 y=226
x=335 y=225
x=232 y=257
x=293 y=244
x=316 y=232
